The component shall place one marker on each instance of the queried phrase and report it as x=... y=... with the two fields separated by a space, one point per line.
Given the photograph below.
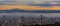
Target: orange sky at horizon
x=25 y=7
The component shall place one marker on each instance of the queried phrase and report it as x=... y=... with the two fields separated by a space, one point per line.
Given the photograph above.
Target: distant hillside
x=35 y=11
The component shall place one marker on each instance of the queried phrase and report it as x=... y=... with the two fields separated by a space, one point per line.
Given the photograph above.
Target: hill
x=35 y=11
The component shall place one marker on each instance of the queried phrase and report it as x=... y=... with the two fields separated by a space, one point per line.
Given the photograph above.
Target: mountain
x=13 y=10
x=35 y=11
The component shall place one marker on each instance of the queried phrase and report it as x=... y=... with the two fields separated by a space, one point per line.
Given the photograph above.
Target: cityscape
x=29 y=12
x=19 y=20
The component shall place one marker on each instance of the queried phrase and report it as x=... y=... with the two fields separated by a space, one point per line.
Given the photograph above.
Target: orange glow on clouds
x=25 y=7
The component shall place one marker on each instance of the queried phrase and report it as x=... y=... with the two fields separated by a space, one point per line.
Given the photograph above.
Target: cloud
x=10 y=0
x=0 y=0
x=24 y=1
x=17 y=2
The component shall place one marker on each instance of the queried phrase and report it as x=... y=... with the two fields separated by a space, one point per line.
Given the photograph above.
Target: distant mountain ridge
x=35 y=11
x=39 y=11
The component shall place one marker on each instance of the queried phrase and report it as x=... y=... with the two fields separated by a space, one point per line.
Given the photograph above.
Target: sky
x=30 y=1
x=35 y=1
x=22 y=4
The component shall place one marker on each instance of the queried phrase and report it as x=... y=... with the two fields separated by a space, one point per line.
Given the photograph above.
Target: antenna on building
x=41 y=18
